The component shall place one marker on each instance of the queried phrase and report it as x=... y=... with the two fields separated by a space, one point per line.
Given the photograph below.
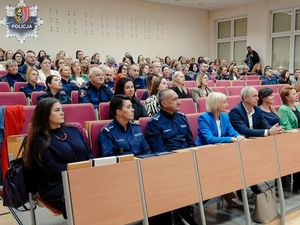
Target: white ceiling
x=204 y=4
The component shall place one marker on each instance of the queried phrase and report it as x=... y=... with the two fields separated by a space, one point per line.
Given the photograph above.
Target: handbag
x=15 y=193
x=265 y=206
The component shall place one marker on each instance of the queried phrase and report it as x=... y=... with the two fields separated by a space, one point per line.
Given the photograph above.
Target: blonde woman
x=179 y=86
x=202 y=89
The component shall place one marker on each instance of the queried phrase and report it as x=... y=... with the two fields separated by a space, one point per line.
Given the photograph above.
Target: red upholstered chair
x=252 y=77
x=187 y=105
x=220 y=89
x=234 y=90
x=233 y=101
x=104 y=111
x=201 y=105
x=190 y=83
x=257 y=87
x=253 y=82
x=79 y=113
x=139 y=93
x=74 y=97
x=34 y=96
x=3 y=73
x=238 y=83
x=223 y=83
x=19 y=85
x=28 y=111
x=12 y=98
x=143 y=121
x=193 y=122
x=211 y=83
x=281 y=86
x=277 y=99
x=94 y=128
x=4 y=87
x=273 y=87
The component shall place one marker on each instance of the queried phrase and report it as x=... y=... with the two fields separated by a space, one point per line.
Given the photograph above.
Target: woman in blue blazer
x=214 y=126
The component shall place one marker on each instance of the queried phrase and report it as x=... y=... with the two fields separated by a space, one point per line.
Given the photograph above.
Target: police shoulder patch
x=82 y=93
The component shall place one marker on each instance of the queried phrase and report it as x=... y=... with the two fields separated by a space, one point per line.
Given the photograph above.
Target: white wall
x=259 y=24
x=115 y=27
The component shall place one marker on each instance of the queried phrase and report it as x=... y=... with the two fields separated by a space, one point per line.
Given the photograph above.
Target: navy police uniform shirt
x=61 y=96
x=68 y=86
x=115 y=140
x=167 y=132
x=29 y=88
x=90 y=94
x=11 y=79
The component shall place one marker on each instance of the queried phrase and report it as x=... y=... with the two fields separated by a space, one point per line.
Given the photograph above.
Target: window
x=232 y=40
x=286 y=39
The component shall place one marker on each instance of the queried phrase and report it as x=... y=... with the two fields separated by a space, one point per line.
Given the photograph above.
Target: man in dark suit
x=247 y=118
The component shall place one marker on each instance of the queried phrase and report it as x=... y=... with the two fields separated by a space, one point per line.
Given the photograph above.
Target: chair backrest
x=143 y=121
x=104 y=111
x=28 y=111
x=161 y=190
x=187 y=105
x=236 y=90
x=190 y=83
x=277 y=99
x=213 y=171
x=74 y=97
x=79 y=113
x=233 y=101
x=211 y=83
x=19 y=85
x=257 y=87
x=3 y=72
x=252 y=77
x=12 y=98
x=139 y=93
x=220 y=89
x=13 y=145
x=193 y=122
x=223 y=83
x=253 y=82
x=201 y=105
x=34 y=96
x=274 y=87
x=4 y=87
x=281 y=86
x=94 y=128
x=238 y=83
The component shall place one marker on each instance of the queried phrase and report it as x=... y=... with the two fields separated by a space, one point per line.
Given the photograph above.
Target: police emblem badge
x=21 y=21
x=82 y=93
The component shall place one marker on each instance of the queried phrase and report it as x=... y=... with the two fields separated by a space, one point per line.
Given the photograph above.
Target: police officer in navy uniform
x=96 y=90
x=54 y=90
x=32 y=85
x=169 y=130
x=122 y=136
x=13 y=75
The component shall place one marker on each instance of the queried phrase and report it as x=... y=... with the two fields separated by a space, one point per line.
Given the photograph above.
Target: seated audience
x=54 y=90
x=179 y=86
x=245 y=71
x=268 y=77
x=67 y=84
x=169 y=130
x=149 y=85
x=2 y=53
x=32 y=77
x=12 y=73
x=257 y=69
x=247 y=118
x=289 y=111
x=8 y=55
x=96 y=59
x=185 y=70
x=95 y=91
x=222 y=73
x=45 y=71
x=121 y=136
x=233 y=73
x=265 y=102
x=295 y=79
x=133 y=73
x=78 y=75
x=214 y=125
x=126 y=87
x=166 y=72
x=151 y=104
x=50 y=147
x=29 y=62
x=19 y=58
x=144 y=70
x=85 y=65
x=59 y=62
x=193 y=71
x=284 y=77
x=122 y=72
x=202 y=89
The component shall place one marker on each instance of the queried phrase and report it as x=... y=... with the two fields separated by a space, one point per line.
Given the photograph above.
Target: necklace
x=63 y=138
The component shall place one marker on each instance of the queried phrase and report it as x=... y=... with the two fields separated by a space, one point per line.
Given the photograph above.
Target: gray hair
x=95 y=70
x=175 y=76
x=214 y=100
x=106 y=69
x=162 y=95
x=110 y=59
x=10 y=62
x=246 y=91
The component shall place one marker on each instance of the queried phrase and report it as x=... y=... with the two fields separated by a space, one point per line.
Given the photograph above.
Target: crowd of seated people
x=167 y=130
